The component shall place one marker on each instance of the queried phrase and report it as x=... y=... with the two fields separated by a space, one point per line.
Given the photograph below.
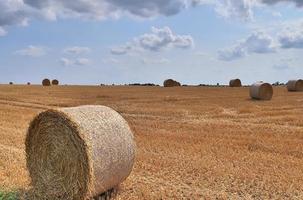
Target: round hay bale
x=261 y=91
x=235 y=83
x=171 y=83
x=177 y=84
x=46 y=82
x=295 y=85
x=78 y=153
x=55 y=82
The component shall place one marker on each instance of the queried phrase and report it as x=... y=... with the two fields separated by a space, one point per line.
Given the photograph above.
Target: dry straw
x=171 y=83
x=261 y=91
x=295 y=85
x=235 y=83
x=78 y=153
x=46 y=82
x=55 y=82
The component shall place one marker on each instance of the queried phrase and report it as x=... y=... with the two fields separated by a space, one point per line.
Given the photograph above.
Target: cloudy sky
x=127 y=41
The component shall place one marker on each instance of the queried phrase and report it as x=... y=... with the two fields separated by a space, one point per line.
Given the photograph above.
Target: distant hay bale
x=78 y=153
x=171 y=83
x=55 y=82
x=261 y=91
x=46 y=82
x=295 y=85
x=235 y=83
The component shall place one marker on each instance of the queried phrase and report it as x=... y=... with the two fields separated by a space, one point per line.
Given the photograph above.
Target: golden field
x=192 y=142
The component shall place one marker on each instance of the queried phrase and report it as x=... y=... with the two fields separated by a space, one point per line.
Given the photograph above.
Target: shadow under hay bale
x=55 y=82
x=261 y=91
x=235 y=83
x=31 y=194
x=108 y=195
x=46 y=82
x=295 y=85
x=171 y=83
x=78 y=153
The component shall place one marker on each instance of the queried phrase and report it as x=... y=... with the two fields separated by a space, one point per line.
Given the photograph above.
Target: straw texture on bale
x=171 y=83
x=46 y=82
x=295 y=85
x=261 y=91
x=78 y=153
x=235 y=83
x=55 y=82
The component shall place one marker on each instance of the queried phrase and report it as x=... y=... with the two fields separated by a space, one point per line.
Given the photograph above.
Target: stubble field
x=192 y=142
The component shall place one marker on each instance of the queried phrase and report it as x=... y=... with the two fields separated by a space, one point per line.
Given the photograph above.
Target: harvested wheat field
x=192 y=142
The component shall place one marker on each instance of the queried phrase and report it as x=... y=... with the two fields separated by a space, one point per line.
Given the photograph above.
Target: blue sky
x=193 y=41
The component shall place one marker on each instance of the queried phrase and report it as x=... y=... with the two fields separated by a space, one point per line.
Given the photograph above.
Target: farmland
x=192 y=142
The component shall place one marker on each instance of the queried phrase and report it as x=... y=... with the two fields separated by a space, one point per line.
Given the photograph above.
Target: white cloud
x=276 y=14
x=291 y=40
x=2 y=32
x=110 y=61
x=286 y=35
x=82 y=61
x=164 y=38
x=149 y=8
x=292 y=36
x=121 y=50
x=77 y=50
x=258 y=42
x=242 y=9
x=20 y=12
x=100 y=9
x=155 y=61
x=32 y=51
x=13 y=12
x=66 y=62
x=298 y=3
x=158 y=39
x=235 y=52
x=78 y=61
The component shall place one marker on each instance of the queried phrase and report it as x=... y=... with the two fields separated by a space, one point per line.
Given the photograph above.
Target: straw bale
x=78 y=153
x=261 y=91
x=295 y=85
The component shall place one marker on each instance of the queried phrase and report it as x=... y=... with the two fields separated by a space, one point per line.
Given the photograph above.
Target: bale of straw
x=171 y=83
x=295 y=85
x=46 y=82
x=178 y=84
x=235 y=83
x=261 y=91
x=78 y=153
x=55 y=82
